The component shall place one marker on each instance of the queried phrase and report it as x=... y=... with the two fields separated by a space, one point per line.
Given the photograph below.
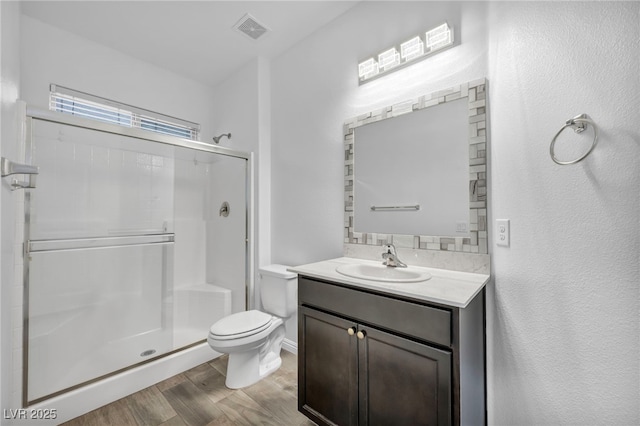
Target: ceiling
x=195 y=39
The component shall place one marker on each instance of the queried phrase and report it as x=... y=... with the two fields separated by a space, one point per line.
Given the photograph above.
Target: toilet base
x=242 y=371
x=248 y=367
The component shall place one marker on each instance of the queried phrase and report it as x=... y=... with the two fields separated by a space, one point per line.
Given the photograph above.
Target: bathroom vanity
x=373 y=352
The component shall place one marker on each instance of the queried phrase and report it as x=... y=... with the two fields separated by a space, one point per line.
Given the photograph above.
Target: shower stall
x=135 y=243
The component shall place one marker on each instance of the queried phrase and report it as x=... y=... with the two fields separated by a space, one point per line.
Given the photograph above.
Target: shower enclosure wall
x=129 y=254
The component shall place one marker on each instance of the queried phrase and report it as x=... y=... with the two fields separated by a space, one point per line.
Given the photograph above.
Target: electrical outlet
x=502 y=232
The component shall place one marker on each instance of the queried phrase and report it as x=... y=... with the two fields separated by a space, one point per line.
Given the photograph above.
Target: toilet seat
x=241 y=324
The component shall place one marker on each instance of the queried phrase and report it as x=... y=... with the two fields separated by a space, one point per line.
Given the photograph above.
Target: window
x=72 y=102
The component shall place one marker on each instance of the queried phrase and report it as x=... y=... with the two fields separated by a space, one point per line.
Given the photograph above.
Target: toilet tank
x=278 y=290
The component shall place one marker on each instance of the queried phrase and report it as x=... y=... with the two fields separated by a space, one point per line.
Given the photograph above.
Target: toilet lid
x=246 y=323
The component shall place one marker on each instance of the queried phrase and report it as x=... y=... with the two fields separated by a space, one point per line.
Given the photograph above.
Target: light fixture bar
x=407 y=53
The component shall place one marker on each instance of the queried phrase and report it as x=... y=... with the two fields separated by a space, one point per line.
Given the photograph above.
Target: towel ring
x=579 y=124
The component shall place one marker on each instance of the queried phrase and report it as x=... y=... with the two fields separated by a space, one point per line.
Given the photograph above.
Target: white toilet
x=253 y=339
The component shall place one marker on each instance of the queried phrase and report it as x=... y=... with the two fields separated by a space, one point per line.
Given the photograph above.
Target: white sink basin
x=383 y=273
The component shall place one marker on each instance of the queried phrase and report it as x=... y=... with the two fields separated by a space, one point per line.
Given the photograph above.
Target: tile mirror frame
x=476 y=240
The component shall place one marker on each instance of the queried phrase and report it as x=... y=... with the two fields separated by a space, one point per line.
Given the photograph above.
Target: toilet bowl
x=253 y=339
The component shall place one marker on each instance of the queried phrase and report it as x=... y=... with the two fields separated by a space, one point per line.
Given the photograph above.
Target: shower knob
x=224 y=209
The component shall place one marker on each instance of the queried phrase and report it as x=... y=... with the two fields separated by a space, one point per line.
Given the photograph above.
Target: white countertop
x=446 y=287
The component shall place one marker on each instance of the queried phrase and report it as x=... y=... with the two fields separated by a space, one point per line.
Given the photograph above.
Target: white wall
x=235 y=108
x=242 y=106
x=9 y=135
x=563 y=315
x=315 y=89
x=50 y=55
x=563 y=311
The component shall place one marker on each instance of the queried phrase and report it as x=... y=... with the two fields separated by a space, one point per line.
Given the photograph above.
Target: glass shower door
x=134 y=247
x=210 y=224
x=100 y=239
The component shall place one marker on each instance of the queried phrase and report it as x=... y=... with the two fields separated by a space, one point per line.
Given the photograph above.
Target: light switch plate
x=502 y=232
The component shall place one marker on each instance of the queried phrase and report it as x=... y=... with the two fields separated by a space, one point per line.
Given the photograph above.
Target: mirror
x=418 y=169
x=411 y=173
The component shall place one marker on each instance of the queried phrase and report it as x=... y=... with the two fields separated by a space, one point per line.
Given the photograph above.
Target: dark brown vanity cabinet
x=367 y=358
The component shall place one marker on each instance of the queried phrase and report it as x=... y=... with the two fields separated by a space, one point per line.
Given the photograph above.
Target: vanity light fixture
x=412 y=49
x=438 y=37
x=368 y=68
x=388 y=59
x=409 y=52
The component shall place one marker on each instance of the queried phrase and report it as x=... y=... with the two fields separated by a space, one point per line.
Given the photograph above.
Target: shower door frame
x=70 y=120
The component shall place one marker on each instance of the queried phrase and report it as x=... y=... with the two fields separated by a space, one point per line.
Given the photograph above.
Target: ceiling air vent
x=250 y=27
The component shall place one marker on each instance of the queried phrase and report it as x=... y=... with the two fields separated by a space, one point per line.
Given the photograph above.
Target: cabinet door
x=402 y=382
x=327 y=368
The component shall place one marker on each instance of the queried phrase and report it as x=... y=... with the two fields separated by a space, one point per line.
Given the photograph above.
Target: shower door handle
x=9 y=168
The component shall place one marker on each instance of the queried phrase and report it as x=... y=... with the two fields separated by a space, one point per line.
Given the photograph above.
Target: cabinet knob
x=361 y=335
x=351 y=331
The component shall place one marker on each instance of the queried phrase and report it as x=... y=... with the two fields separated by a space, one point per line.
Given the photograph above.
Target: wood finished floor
x=199 y=397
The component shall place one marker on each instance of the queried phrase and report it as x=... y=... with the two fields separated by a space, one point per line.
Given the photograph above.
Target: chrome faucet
x=391 y=259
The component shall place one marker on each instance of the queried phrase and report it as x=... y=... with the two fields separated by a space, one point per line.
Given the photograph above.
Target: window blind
x=73 y=102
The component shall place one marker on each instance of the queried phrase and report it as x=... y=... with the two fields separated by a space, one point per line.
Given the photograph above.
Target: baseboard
x=290 y=346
